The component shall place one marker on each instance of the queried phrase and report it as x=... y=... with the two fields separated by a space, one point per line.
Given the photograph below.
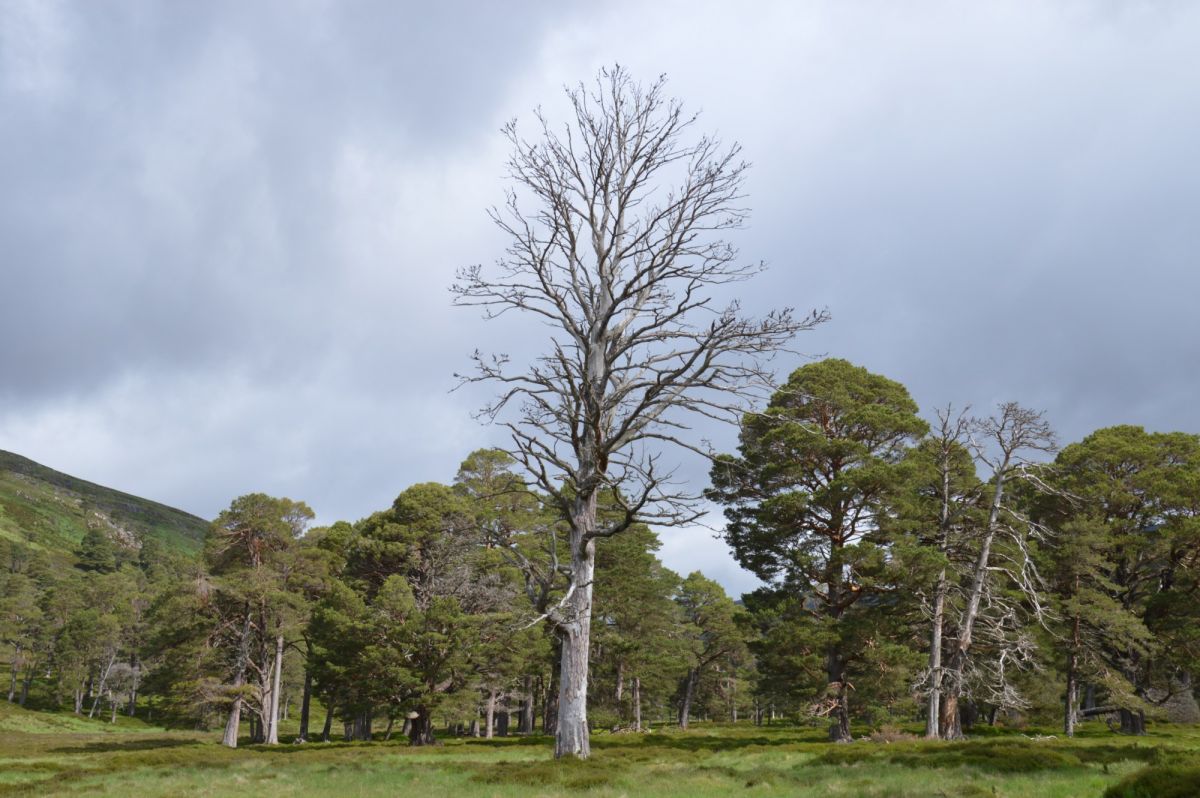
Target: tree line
x=962 y=572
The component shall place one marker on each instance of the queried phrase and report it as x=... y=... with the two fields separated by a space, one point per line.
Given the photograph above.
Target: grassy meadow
x=47 y=754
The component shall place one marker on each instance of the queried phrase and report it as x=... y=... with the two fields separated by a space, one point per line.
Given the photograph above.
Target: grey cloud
x=227 y=229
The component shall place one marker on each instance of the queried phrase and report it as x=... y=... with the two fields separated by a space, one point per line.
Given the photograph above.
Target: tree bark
x=420 y=730
x=571 y=736
x=328 y=728
x=526 y=723
x=276 y=689
x=502 y=721
x=932 y=727
x=689 y=690
x=103 y=683
x=550 y=716
x=230 y=738
x=1133 y=722
x=839 y=717
x=135 y=666
x=637 y=704
x=489 y=715
x=305 y=707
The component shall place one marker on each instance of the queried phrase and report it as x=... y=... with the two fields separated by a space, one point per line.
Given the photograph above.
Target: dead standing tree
x=1006 y=441
x=622 y=268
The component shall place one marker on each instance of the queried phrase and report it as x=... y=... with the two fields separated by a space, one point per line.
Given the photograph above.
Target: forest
x=952 y=573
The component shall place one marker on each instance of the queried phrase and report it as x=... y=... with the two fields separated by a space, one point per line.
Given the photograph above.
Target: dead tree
x=1004 y=444
x=614 y=225
x=948 y=442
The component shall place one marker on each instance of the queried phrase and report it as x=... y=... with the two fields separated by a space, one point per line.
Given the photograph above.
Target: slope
x=50 y=511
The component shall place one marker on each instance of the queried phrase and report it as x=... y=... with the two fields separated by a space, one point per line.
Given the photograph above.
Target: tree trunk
x=12 y=683
x=420 y=730
x=1072 y=692
x=619 y=693
x=305 y=707
x=839 y=716
x=526 y=725
x=230 y=738
x=689 y=690
x=103 y=683
x=958 y=659
x=276 y=689
x=328 y=728
x=26 y=683
x=387 y=733
x=1133 y=722
x=489 y=715
x=932 y=729
x=1072 y=674
x=112 y=700
x=135 y=666
x=502 y=722
x=637 y=704
x=951 y=722
x=550 y=717
x=571 y=736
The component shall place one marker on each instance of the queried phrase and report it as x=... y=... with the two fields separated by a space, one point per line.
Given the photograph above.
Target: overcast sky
x=227 y=229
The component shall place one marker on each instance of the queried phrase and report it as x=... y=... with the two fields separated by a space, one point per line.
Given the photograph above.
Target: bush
x=1159 y=781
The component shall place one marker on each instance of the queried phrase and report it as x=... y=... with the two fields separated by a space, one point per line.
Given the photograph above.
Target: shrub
x=1159 y=781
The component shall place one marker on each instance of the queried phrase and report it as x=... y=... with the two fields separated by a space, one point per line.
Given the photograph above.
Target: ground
x=47 y=754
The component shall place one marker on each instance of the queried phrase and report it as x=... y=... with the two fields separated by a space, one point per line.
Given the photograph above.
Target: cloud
x=228 y=230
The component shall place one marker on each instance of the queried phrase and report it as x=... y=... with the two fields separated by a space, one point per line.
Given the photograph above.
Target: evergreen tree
x=803 y=498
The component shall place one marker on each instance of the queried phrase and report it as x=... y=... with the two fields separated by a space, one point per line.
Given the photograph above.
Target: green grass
x=40 y=759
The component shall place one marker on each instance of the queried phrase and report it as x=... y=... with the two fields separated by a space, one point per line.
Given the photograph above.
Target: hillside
x=51 y=511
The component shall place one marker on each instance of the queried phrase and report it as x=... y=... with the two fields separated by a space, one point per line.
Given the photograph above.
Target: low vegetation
x=48 y=754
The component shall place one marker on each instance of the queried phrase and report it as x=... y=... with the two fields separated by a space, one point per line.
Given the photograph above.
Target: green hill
x=51 y=511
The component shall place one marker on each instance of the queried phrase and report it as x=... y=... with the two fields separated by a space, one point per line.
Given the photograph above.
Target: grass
x=78 y=759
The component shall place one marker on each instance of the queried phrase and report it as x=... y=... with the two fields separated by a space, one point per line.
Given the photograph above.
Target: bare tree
x=619 y=256
x=1004 y=445
x=948 y=443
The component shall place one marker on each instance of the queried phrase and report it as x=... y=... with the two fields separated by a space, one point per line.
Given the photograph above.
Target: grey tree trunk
x=230 y=738
x=489 y=715
x=526 y=725
x=136 y=666
x=550 y=716
x=932 y=729
x=571 y=736
x=276 y=689
x=1072 y=697
x=951 y=722
x=112 y=659
x=689 y=690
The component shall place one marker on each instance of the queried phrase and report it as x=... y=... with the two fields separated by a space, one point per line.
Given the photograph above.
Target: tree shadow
x=116 y=746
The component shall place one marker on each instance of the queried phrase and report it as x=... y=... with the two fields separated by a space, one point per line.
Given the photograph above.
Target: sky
x=228 y=229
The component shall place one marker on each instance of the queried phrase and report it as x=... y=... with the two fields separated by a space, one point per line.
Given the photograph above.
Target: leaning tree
x=615 y=222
